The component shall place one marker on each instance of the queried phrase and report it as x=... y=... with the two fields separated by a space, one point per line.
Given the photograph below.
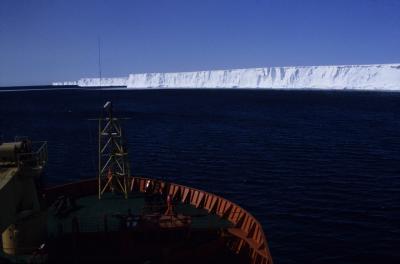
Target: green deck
x=91 y=212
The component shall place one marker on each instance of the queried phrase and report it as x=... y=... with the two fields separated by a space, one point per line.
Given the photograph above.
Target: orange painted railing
x=248 y=231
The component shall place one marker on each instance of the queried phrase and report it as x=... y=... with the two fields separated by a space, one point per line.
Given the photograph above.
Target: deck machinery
x=116 y=217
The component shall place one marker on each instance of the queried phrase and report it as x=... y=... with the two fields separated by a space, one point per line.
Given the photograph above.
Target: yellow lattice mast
x=113 y=156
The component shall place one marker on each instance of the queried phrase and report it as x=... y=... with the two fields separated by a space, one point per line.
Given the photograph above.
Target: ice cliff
x=95 y=82
x=362 y=77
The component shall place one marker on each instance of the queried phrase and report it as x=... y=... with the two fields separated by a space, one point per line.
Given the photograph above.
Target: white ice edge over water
x=353 y=77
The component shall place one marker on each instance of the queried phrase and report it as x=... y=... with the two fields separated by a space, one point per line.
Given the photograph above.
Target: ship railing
x=246 y=227
x=37 y=157
x=248 y=231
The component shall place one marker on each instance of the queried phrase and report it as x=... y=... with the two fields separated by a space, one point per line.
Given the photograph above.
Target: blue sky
x=44 y=41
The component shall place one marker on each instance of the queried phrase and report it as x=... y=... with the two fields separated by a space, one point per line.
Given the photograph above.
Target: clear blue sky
x=43 y=41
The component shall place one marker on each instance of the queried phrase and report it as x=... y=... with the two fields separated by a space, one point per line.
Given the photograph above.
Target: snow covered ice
x=358 y=77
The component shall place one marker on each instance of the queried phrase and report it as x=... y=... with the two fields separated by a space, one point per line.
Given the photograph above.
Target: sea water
x=320 y=170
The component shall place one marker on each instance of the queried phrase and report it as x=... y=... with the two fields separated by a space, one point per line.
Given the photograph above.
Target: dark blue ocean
x=320 y=170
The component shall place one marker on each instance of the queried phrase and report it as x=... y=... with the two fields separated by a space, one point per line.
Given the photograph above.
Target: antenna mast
x=114 y=168
x=98 y=44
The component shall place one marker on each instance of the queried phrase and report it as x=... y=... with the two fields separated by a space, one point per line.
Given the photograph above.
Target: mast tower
x=114 y=169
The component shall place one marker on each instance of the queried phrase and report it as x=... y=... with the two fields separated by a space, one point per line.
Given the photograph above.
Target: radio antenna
x=98 y=44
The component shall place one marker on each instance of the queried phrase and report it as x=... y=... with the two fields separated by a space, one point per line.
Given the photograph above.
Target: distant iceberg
x=357 y=77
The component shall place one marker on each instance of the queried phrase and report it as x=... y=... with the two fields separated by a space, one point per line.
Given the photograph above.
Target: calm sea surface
x=320 y=170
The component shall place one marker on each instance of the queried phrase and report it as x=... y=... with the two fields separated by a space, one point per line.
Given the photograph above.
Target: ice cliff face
x=68 y=83
x=362 y=77
x=95 y=82
x=318 y=77
x=85 y=82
